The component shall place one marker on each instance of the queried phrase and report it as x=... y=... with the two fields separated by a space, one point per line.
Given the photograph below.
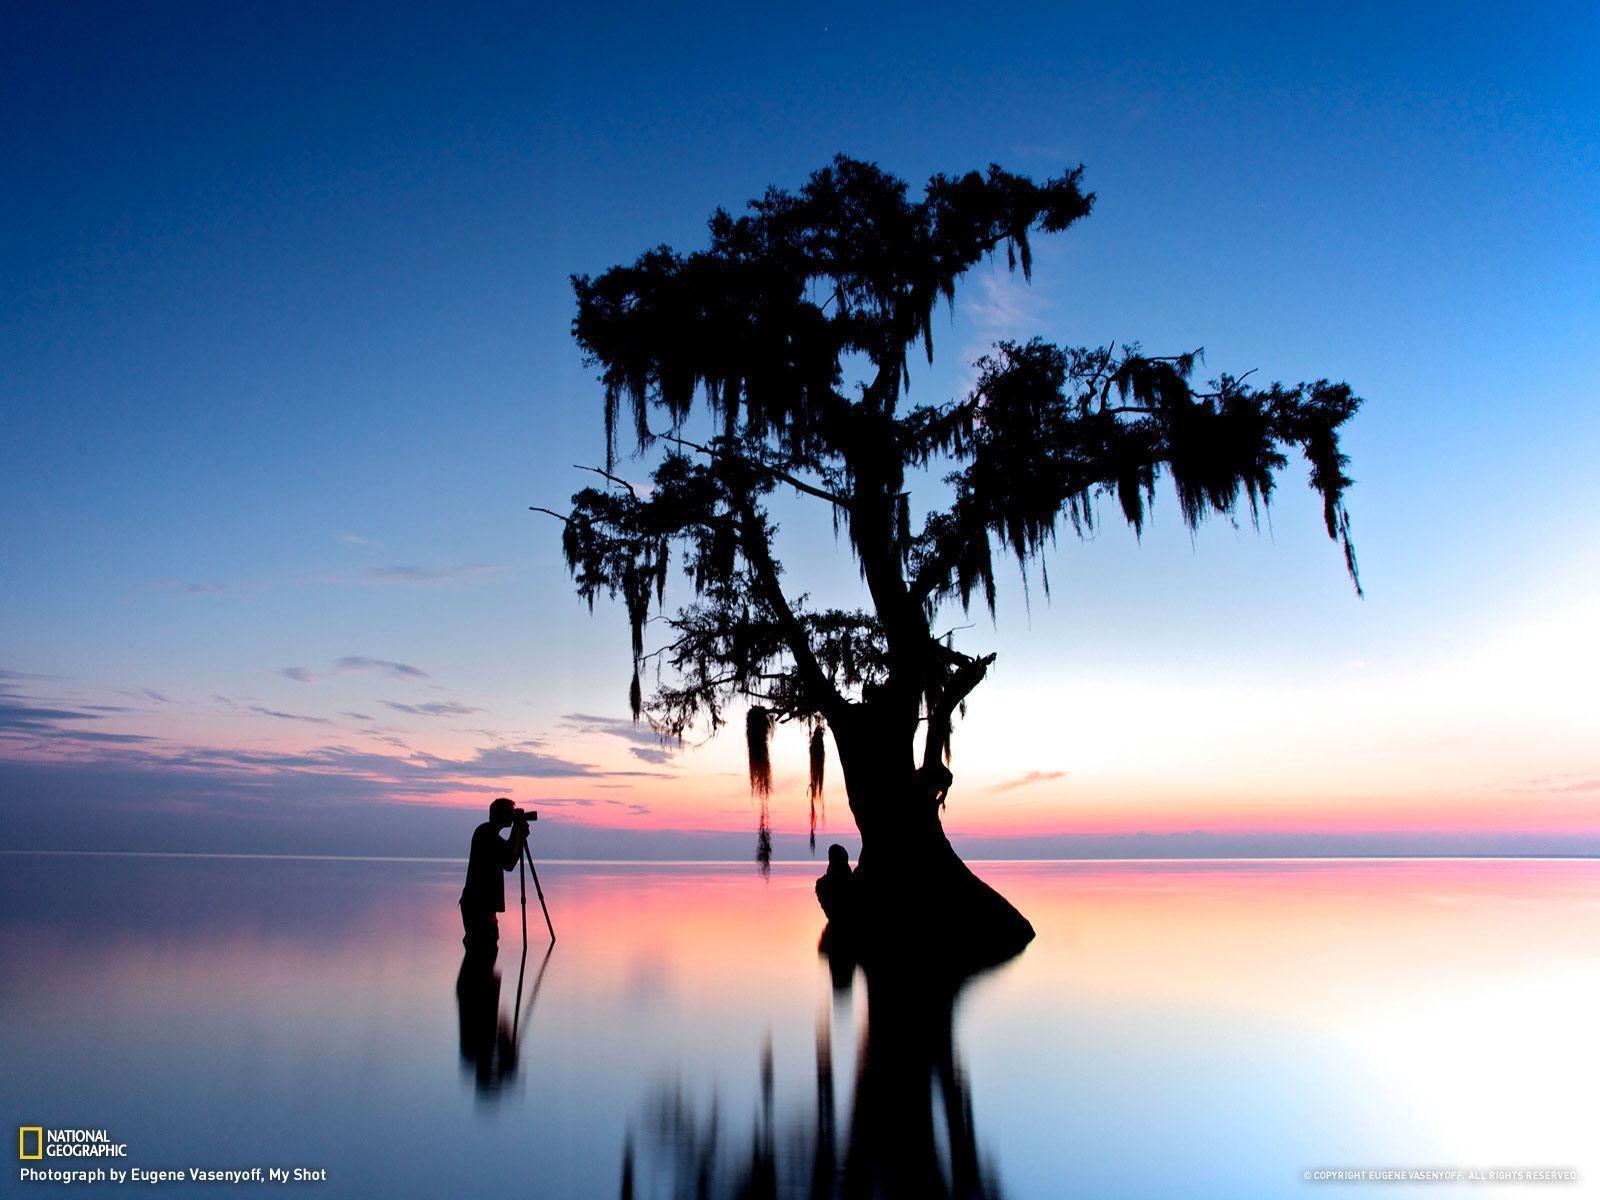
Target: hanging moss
x=758 y=740
x=819 y=753
x=764 y=841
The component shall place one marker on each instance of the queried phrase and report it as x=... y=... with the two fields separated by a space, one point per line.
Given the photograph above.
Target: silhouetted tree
x=794 y=328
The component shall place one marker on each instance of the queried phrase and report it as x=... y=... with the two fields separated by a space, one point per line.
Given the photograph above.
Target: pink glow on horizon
x=1405 y=762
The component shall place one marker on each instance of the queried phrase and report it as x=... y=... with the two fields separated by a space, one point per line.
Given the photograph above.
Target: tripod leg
x=534 y=871
x=522 y=887
x=516 y=1010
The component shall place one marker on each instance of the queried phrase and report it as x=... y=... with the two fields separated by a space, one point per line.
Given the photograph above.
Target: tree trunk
x=912 y=896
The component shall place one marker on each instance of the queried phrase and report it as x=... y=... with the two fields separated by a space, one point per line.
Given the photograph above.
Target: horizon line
x=803 y=862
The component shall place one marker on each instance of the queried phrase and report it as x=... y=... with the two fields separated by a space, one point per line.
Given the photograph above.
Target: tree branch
x=792 y=480
x=604 y=474
x=957 y=687
x=754 y=543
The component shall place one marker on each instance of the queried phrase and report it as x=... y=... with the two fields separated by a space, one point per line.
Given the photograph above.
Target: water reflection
x=489 y=1038
x=910 y=1130
x=1177 y=1029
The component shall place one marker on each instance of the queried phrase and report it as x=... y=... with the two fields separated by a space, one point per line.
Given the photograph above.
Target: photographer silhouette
x=484 y=896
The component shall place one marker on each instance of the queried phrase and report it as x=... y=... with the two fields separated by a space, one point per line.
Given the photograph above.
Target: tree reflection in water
x=910 y=1130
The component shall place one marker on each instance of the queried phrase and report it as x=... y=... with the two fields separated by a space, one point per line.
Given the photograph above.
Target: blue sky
x=285 y=356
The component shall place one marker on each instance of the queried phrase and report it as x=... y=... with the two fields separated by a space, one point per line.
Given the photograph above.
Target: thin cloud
x=1001 y=305
x=279 y=715
x=436 y=708
x=637 y=732
x=23 y=713
x=356 y=664
x=94 y=736
x=65 y=745
x=403 y=575
x=178 y=588
x=23 y=717
x=1028 y=780
x=323 y=774
x=360 y=662
x=1005 y=305
x=1574 y=785
x=527 y=760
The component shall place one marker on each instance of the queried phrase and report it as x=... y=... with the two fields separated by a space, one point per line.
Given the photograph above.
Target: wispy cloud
x=279 y=715
x=1568 y=784
x=29 y=719
x=356 y=664
x=355 y=539
x=34 y=728
x=648 y=744
x=436 y=708
x=176 y=588
x=1004 y=305
x=156 y=788
x=360 y=662
x=1055 y=154
x=404 y=575
x=521 y=760
x=1001 y=306
x=1028 y=780
x=414 y=773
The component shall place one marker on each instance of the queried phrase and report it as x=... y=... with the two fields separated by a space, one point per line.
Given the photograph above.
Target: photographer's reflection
x=489 y=1040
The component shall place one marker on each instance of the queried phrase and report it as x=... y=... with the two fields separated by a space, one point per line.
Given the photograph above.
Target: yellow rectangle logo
x=38 y=1141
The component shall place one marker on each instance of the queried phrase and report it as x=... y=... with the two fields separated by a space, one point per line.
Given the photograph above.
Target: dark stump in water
x=920 y=907
x=912 y=903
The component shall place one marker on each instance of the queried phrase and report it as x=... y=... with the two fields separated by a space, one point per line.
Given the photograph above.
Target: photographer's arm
x=511 y=847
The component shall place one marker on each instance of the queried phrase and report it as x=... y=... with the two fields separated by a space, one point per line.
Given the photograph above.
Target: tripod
x=526 y=861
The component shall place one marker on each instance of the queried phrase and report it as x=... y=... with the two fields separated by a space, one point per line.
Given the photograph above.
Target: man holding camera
x=484 y=895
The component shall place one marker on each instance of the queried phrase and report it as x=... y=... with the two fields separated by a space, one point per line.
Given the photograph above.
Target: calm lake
x=1176 y=1030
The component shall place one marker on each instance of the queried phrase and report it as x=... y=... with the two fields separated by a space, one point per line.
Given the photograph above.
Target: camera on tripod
x=520 y=819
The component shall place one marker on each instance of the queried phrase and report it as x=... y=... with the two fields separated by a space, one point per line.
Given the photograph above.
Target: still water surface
x=1178 y=1029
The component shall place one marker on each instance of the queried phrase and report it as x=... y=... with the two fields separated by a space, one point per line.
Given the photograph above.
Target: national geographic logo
x=35 y=1142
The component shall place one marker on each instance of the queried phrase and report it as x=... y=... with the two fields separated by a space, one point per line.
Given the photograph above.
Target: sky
x=285 y=357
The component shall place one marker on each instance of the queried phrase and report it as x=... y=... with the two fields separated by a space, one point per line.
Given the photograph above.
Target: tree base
x=927 y=911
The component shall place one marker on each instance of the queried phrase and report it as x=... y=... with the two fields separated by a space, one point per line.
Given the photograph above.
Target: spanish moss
x=764 y=840
x=818 y=756
x=758 y=742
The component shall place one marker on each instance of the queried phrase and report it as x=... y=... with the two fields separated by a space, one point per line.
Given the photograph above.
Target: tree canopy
x=794 y=328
